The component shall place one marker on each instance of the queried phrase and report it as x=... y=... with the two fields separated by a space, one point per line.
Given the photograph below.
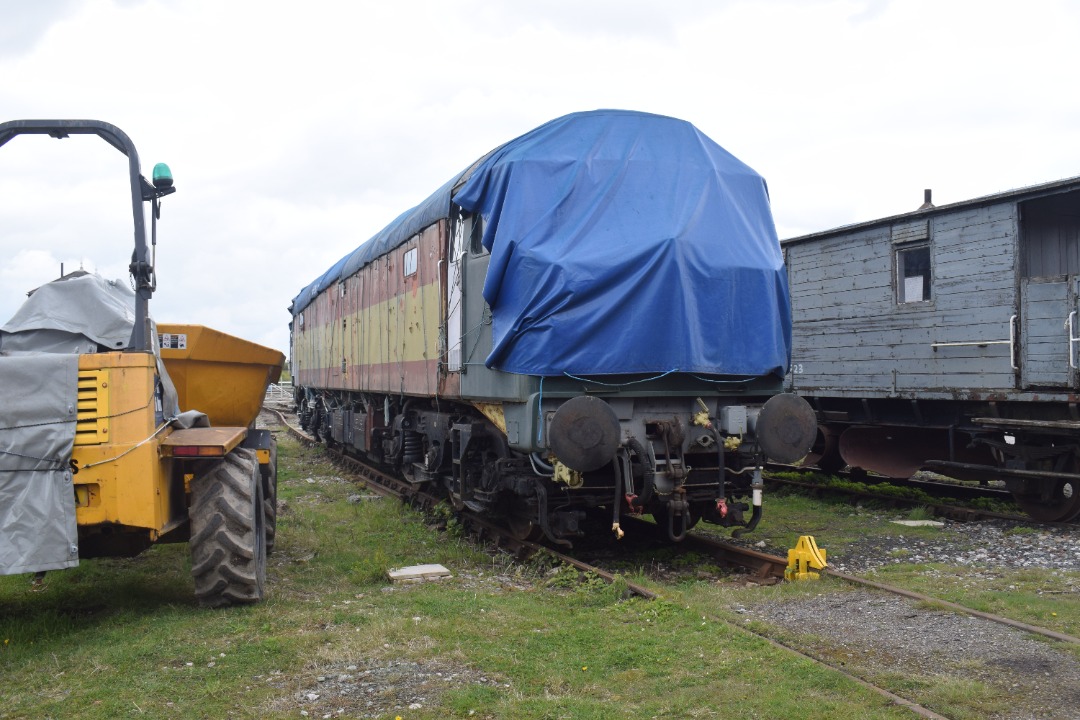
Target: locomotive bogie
x=668 y=459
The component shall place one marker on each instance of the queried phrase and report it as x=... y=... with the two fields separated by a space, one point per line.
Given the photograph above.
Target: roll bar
x=141 y=268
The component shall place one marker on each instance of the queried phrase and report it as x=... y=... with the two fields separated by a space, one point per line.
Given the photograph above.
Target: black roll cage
x=141 y=267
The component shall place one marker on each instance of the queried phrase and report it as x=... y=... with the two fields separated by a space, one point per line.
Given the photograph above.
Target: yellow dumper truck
x=116 y=433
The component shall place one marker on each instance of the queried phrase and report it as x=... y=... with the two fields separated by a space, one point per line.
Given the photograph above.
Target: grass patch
x=920 y=513
x=1020 y=531
x=1044 y=597
x=888 y=490
x=122 y=638
x=1047 y=598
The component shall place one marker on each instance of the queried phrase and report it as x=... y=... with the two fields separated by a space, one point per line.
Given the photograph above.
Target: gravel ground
x=880 y=637
x=886 y=639
x=990 y=543
x=372 y=689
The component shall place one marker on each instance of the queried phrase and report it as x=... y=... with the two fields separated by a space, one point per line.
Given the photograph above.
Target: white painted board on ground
x=419 y=572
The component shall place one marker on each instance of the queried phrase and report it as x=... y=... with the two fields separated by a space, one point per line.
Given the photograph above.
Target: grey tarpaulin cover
x=76 y=314
x=39 y=367
x=37 y=431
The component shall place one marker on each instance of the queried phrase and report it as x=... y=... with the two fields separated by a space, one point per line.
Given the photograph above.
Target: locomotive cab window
x=410 y=262
x=913 y=274
x=476 y=236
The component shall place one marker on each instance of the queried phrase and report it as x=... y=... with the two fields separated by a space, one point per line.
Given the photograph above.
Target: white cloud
x=23 y=27
x=296 y=131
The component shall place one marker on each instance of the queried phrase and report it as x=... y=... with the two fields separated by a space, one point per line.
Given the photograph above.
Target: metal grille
x=92 y=426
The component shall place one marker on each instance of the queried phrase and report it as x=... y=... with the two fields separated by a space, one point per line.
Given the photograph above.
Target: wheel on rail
x=228 y=532
x=825 y=454
x=520 y=521
x=1062 y=506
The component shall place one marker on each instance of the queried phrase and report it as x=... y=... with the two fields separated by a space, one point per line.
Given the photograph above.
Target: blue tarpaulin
x=621 y=242
x=624 y=242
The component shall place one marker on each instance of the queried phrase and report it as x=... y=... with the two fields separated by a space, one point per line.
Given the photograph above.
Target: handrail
x=279 y=391
x=1072 y=340
x=1011 y=342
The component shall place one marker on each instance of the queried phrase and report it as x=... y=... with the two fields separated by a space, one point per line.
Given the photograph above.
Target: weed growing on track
x=890 y=490
x=1045 y=597
x=121 y=638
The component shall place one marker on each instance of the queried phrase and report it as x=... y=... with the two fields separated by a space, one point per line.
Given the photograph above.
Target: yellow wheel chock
x=804 y=559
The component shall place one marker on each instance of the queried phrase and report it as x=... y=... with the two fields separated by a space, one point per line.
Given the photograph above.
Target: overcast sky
x=296 y=130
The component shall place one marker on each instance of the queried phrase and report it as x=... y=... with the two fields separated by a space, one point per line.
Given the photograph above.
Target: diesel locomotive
x=590 y=321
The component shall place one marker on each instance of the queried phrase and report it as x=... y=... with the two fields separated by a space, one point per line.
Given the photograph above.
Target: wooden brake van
x=947 y=339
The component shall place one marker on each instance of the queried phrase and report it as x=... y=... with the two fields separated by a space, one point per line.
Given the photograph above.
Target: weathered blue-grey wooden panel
x=842 y=277
x=851 y=333
x=1045 y=344
x=839 y=360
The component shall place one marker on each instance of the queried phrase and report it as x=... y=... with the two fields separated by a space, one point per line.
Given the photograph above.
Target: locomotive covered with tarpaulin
x=590 y=320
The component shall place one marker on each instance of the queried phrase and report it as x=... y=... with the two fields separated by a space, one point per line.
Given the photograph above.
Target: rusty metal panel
x=379 y=329
x=220 y=440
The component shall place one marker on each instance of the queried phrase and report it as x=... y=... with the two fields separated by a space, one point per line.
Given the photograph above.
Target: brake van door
x=1047 y=304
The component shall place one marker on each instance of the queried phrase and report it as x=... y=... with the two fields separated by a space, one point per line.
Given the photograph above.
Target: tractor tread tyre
x=270 y=499
x=228 y=532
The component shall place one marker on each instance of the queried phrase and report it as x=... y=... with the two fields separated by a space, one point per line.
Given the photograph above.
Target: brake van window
x=913 y=274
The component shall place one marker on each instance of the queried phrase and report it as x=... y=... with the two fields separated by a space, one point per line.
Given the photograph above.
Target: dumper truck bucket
x=218 y=374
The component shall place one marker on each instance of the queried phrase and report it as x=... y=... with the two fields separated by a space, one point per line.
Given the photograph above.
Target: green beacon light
x=162 y=176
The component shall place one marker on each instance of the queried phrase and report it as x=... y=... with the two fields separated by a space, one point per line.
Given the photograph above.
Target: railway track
x=760 y=567
x=939 y=497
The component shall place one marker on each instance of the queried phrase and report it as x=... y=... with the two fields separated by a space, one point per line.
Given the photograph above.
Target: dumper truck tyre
x=269 y=478
x=228 y=532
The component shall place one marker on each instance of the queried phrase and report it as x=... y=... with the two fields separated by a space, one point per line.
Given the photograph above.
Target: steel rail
x=953 y=512
x=389 y=486
x=762 y=566
x=704 y=543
